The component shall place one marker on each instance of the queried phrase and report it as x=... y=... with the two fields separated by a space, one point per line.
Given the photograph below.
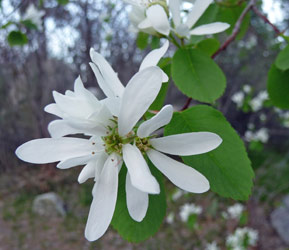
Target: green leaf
x=282 y=61
x=155 y=42
x=134 y=231
x=278 y=87
x=228 y=167
x=209 y=46
x=209 y=15
x=142 y=40
x=17 y=38
x=63 y=2
x=230 y=15
x=197 y=75
x=7 y=25
x=29 y=24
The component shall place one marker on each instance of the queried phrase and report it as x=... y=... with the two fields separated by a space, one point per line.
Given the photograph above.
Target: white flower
x=110 y=123
x=189 y=209
x=257 y=102
x=178 y=194
x=155 y=15
x=235 y=211
x=241 y=238
x=247 y=88
x=34 y=15
x=261 y=135
x=212 y=246
x=238 y=98
x=170 y=218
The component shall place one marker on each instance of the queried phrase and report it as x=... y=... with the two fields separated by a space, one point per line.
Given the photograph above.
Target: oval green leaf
x=228 y=167
x=197 y=75
x=278 y=87
x=282 y=61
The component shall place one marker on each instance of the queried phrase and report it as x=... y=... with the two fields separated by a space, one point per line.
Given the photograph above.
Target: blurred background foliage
x=33 y=62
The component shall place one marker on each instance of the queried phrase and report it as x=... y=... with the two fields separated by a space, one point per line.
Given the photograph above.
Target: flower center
x=143 y=144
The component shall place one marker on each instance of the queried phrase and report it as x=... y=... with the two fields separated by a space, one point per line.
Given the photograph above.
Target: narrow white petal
x=174 y=6
x=159 y=120
x=139 y=94
x=158 y=19
x=104 y=200
x=113 y=87
x=85 y=94
x=136 y=200
x=198 y=10
x=178 y=173
x=73 y=162
x=87 y=172
x=154 y=56
x=100 y=164
x=208 y=29
x=139 y=171
x=59 y=128
x=145 y=24
x=113 y=104
x=48 y=150
x=187 y=144
x=53 y=109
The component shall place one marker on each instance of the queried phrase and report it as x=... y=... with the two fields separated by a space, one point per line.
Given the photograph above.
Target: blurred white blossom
x=238 y=98
x=257 y=102
x=188 y=209
x=242 y=238
x=212 y=246
x=247 y=88
x=235 y=211
x=170 y=218
x=34 y=15
x=261 y=135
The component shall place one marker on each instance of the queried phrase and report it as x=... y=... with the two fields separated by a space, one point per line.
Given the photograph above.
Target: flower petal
x=48 y=150
x=87 y=172
x=140 y=174
x=158 y=19
x=113 y=104
x=187 y=144
x=107 y=78
x=73 y=162
x=136 y=200
x=198 y=10
x=153 y=58
x=104 y=200
x=208 y=29
x=174 y=6
x=59 y=128
x=178 y=173
x=53 y=109
x=159 y=120
x=139 y=94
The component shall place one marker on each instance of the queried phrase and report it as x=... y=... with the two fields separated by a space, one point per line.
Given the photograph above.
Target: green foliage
x=17 y=38
x=155 y=42
x=197 y=75
x=63 y=2
x=278 y=87
x=230 y=15
x=28 y=24
x=132 y=230
x=209 y=46
x=142 y=40
x=282 y=61
x=209 y=16
x=228 y=167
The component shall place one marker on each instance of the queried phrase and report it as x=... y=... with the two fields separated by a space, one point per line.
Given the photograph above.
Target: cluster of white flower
x=178 y=194
x=283 y=116
x=170 y=218
x=239 y=97
x=34 y=15
x=188 y=209
x=261 y=135
x=212 y=246
x=234 y=212
x=163 y=17
x=116 y=136
x=242 y=238
x=257 y=102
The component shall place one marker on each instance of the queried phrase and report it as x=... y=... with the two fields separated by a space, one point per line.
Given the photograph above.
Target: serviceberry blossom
x=212 y=246
x=242 y=238
x=189 y=209
x=34 y=15
x=238 y=98
x=116 y=137
x=261 y=135
x=235 y=211
x=160 y=16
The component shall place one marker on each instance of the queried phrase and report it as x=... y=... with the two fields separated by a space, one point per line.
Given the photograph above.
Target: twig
x=266 y=20
x=236 y=29
x=230 y=39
